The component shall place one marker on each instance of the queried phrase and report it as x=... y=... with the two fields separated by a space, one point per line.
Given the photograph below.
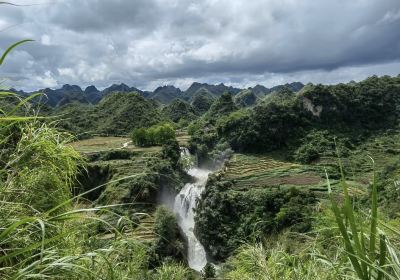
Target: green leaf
x=3 y=57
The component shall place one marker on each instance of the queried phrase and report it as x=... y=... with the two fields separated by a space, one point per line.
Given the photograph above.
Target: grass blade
x=3 y=57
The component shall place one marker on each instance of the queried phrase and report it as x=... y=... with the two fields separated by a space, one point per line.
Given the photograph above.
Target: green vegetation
x=90 y=209
x=225 y=218
x=179 y=110
x=202 y=101
x=116 y=114
x=168 y=243
x=245 y=98
x=155 y=135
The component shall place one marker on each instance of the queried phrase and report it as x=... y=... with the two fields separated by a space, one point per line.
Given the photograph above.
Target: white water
x=185 y=201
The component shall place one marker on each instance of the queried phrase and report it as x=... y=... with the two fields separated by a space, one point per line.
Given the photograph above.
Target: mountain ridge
x=69 y=93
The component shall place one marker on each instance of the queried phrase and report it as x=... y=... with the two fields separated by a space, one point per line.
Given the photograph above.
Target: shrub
x=167 y=243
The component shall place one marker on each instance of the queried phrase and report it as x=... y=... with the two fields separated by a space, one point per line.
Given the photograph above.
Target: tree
x=155 y=135
x=167 y=243
x=208 y=272
x=171 y=151
x=140 y=137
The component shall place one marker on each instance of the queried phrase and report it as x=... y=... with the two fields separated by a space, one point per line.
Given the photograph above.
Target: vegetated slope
x=116 y=114
x=262 y=91
x=202 y=101
x=354 y=109
x=59 y=97
x=134 y=180
x=216 y=90
x=163 y=94
x=120 y=113
x=245 y=98
x=179 y=110
x=166 y=94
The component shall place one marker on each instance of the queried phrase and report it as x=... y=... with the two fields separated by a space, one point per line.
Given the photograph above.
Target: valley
x=197 y=183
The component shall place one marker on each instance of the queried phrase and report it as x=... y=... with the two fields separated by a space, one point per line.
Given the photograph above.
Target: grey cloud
x=100 y=15
x=144 y=42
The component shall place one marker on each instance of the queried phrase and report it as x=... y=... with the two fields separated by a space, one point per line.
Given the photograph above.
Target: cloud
x=145 y=42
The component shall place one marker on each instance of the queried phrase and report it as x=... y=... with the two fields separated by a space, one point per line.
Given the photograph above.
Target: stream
x=185 y=201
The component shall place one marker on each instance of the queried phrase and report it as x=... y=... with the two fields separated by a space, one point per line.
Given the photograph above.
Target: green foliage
x=245 y=98
x=256 y=262
x=115 y=114
x=201 y=102
x=171 y=151
x=179 y=110
x=168 y=243
x=224 y=105
x=224 y=219
x=321 y=143
x=284 y=119
x=41 y=160
x=155 y=135
x=366 y=252
x=370 y=104
x=172 y=271
x=208 y=271
x=234 y=129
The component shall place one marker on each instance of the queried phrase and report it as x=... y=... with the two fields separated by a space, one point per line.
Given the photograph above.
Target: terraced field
x=183 y=138
x=145 y=231
x=249 y=171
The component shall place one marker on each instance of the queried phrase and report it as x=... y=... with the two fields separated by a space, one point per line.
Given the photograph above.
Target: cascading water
x=185 y=201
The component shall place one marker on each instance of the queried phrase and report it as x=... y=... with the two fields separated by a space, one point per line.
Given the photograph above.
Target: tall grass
x=371 y=254
x=42 y=234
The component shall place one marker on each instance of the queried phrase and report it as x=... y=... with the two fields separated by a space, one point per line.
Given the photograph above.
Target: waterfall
x=185 y=201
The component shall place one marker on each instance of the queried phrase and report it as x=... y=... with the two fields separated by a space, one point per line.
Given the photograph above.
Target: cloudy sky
x=147 y=43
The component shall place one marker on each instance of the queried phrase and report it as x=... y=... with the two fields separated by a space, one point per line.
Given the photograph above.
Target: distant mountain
x=296 y=86
x=245 y=98
x=261 y=91
x=66 y=94
x=120 y=88
x=216 y=90
x=92 y=94
x=166 y=94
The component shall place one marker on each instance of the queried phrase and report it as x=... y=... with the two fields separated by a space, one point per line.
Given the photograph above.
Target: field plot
x=183 y=139
x=247 y=171
x=101 y=144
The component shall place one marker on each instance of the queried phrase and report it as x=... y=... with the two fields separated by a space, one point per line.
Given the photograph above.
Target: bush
x=208 y=271
x=172 y=271
x=171 y=151
x=168 y=243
